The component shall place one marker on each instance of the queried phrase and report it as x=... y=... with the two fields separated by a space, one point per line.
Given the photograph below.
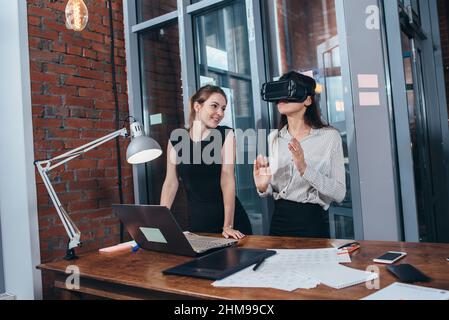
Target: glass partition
x=162 y=102
x=222 y=58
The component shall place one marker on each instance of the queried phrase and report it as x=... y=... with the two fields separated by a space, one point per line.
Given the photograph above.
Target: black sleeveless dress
x=202 y=184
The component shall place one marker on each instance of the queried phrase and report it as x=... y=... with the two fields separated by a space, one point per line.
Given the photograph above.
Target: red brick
x=63 y=133
x=77 y=61
x=82 y=185
x=80 y=82
x=101 y=47
x=104 y=105
x=62 y=90
x=98 y=28
x=58 y=47
x=43 y=77
x=37 y=32
x=91 y=74
x=61 y=69
x=88 y=92
x=47 y=100
x=78 y=123
x=41 y=122
x=36 y=87
x=72 y=144
x=40 y=12
x=72 y=49
x=89 y=54
x=103 y=85
x=57 y=26
x=34 y=42
x=43 y=55
x=76 y=101
x=53 y=232
x=105 y=125
x=57 y=5
x=35 y=21
x=98 y=37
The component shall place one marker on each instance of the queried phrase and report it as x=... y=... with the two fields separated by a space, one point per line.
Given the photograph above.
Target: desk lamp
x=142 y=149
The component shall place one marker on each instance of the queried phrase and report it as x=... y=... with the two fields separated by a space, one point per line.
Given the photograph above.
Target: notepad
x=402 y=291
x=120 y=247
x=337 y=276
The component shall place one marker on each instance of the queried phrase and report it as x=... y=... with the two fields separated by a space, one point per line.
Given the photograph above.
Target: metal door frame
x=433 y=82
x=348 y=123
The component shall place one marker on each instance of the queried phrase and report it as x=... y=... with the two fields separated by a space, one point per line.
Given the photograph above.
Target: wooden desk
x=127 y=275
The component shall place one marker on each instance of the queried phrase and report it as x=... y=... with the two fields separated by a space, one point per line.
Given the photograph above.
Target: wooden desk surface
x=139 y=275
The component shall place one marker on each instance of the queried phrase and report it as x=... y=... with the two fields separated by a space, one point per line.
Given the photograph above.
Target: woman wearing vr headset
x=210 y=187
x=306 y=170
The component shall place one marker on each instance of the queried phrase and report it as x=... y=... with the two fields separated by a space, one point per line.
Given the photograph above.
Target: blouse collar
x=283 y=133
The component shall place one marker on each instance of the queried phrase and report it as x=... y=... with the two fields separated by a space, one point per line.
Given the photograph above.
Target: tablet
x=220 y=264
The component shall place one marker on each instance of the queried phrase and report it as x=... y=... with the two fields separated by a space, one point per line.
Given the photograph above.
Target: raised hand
x=298 y=155
x=262 y=173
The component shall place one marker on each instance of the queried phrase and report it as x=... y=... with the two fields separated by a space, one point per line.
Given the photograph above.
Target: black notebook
x=408 y=273
x=220 y=264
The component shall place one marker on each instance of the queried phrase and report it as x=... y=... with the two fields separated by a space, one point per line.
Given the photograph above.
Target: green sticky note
x=156 y=119
x=153 y=235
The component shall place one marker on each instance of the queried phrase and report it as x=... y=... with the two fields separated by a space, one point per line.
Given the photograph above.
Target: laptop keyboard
x=201 y=243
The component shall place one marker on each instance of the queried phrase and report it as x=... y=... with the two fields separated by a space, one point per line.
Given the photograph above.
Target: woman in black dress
x=203 y=157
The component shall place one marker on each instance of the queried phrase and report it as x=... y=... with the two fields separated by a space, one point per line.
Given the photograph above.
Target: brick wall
x=72 y=104
x=443 y=12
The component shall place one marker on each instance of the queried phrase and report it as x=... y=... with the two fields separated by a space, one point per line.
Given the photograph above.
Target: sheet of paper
x=401 y=291
x=343 y=256
x=273 y=273
x=289 y=257
x=283 y=271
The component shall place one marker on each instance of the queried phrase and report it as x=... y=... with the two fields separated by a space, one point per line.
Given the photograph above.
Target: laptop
x=155 y=228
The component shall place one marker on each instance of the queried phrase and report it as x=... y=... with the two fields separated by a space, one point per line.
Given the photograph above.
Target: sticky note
x=369 y=98
x=368 y=81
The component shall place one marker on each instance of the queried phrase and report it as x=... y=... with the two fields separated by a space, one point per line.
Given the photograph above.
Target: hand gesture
x=261 y=173
x=298 y=155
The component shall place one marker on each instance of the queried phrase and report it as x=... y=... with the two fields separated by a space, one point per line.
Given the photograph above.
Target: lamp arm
x=46 y=166
x=72 y=154
x=69 y=226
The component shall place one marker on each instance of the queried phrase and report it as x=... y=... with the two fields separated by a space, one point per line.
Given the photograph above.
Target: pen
x=349 y=245
x=135 y=248
x=259 y=263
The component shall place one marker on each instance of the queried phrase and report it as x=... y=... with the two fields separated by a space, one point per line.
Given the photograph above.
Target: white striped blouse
x=324 y=179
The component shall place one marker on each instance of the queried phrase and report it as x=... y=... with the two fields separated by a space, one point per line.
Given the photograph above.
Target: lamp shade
x=142 y=148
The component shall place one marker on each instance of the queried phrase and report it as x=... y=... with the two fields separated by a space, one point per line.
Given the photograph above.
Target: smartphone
x=390 y=257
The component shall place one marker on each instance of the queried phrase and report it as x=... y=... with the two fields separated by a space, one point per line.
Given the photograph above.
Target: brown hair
x=312 y=117
x=201 y=96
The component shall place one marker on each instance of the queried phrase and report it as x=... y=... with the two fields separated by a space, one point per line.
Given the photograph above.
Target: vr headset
x=288 y=90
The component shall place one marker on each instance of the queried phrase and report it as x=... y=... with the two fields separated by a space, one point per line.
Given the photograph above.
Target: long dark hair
x=312 y=117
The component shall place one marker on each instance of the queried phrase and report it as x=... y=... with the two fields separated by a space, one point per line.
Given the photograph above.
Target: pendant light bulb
x=76 y=15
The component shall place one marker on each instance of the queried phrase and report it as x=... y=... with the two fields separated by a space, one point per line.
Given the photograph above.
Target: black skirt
x=209 y=216
x=305 y=220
